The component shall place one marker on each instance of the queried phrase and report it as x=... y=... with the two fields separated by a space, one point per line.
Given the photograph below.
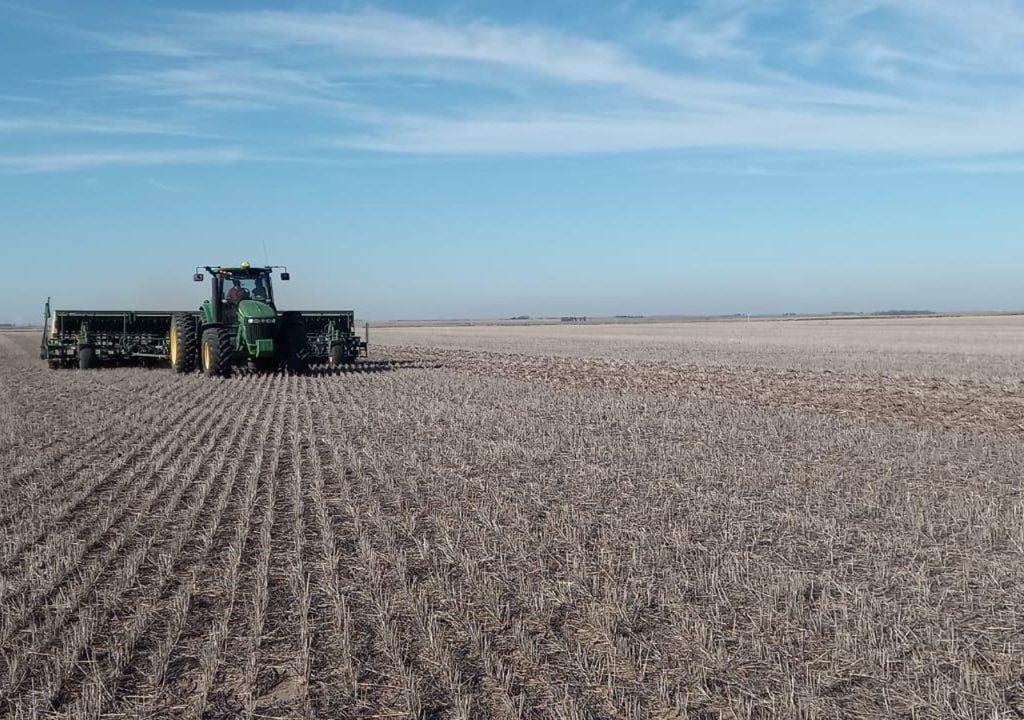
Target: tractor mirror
x=197 y=277
x=286 y=276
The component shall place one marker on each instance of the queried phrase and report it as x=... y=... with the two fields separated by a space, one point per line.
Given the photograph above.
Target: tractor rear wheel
x=184 y=349
x=86 y=357
x=297 y=348
x=216 y=350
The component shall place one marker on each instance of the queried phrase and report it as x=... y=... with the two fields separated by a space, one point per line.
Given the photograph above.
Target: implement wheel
x=184 y=345
x=215 y=351
x=340 y=356
x=86 y=357
x=337 y=355
x=296 y=347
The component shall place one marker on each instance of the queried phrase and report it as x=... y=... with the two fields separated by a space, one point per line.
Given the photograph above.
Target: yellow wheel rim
x=207 y=356
x=174 y=347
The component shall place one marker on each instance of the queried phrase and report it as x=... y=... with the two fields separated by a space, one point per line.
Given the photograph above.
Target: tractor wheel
x=340 y=356
x=86 y=357
x=216 y=350
x=184 y=346
x=337 y=355
x=297 y=348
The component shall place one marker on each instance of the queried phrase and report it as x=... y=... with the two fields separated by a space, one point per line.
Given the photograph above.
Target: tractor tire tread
x=222 y=348
x=189 y=343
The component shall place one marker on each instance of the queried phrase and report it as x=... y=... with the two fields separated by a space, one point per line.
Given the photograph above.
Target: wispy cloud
x=998 y=166
x=539 y=52
x=716 y=32
x=22 y=9
x=782 y=130
x=925 y=79
x=26 y=99
x=346 y=43
x=63 y=162
x=149 y=44
x=90 y=124
x=235 y=84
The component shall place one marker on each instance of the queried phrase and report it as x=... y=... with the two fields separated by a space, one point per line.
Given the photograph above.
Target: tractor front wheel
x=215 y=351
x=183 y=350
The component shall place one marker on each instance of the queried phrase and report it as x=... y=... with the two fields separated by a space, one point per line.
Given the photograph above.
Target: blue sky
x=481 y=159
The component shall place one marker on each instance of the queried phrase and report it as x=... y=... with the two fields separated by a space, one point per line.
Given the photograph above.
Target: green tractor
x=238 y=326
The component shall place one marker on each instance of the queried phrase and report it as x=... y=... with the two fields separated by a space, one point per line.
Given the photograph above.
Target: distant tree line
x=907 y=312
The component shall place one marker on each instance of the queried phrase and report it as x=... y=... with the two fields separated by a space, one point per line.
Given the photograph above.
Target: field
x=714 y=520
x=987 y=348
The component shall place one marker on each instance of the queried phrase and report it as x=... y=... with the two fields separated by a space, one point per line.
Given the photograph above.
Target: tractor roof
x=244 y=271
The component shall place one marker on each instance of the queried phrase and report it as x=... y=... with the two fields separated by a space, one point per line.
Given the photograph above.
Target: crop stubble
x=495 y=535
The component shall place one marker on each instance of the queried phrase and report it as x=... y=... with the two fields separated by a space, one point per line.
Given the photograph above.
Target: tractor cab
x=242 y=290
x=237 y=285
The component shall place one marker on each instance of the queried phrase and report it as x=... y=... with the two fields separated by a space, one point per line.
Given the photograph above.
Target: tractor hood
x=255 y=310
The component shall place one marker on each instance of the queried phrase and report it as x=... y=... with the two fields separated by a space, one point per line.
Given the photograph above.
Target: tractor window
x=234 y=289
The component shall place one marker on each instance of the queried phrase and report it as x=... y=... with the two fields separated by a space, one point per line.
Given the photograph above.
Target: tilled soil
x=443 y=534
x=919 y=402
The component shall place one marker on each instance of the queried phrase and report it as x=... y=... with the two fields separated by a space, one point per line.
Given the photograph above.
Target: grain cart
x=238 y=325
